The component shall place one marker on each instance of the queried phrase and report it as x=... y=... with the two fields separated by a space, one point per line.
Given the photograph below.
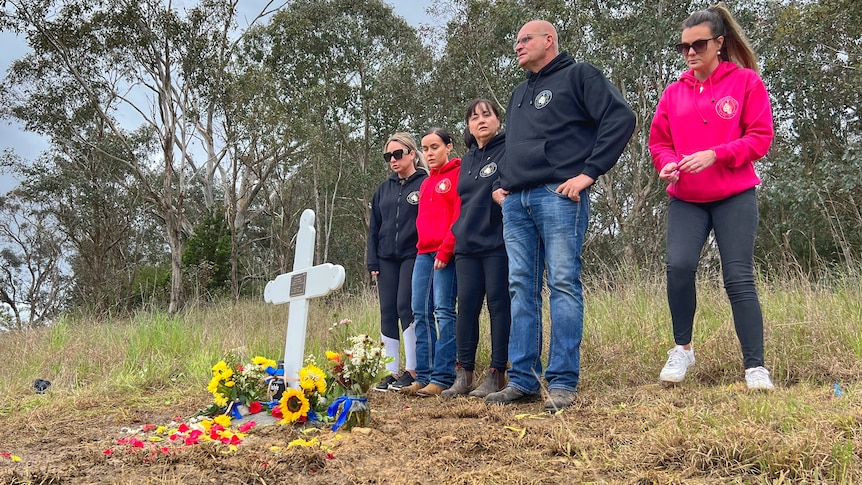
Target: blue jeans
x=543 y=227
x=734 y=221
x=434 y=294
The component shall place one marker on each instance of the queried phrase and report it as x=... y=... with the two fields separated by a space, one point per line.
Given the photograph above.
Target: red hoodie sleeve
x=447 y=247
x=757 y=128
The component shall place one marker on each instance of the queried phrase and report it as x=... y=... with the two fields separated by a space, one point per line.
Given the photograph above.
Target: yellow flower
x=264 y=362
x=219 y=399
x=302 y=442
x=311 y=378
x=330 y=355
x=294 y=405
x=213 y=385
x=223 y=420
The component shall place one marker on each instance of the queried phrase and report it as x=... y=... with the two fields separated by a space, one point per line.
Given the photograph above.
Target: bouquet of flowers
x=359 y=366
x=234 y=382
x=307 y=402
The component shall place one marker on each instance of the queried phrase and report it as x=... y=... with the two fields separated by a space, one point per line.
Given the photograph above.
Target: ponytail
x=736 y=47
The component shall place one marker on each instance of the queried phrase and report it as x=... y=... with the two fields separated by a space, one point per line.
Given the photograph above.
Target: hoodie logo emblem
x=727 y=107
x=443 y=186
x=542 y=99
x=488 y=170
x=413 y=198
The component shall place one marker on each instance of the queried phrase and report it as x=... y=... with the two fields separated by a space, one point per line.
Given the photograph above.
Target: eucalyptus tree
x=32 y=278
x=100 y=212
x=129 y=64
x=339 y=76
x=475 y=58
x=812 y=209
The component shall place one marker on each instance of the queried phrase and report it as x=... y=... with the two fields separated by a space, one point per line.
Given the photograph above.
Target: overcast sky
x=28 y=145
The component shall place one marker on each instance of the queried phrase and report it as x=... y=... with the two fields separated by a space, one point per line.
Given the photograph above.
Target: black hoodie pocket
x=530 y=164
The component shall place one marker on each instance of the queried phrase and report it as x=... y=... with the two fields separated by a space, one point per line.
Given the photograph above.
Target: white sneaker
x=757 y=379
x=678 y=362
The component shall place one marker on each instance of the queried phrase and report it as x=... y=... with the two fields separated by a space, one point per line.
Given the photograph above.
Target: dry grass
x=624 y=427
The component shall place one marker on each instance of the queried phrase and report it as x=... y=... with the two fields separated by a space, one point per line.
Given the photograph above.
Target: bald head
x=536 y=45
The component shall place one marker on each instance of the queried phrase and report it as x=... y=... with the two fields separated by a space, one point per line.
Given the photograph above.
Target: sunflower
x=263 y=362
x=219 y=399
x=294 y=405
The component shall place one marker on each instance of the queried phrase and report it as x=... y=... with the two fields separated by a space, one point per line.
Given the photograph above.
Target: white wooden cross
x=304 y=282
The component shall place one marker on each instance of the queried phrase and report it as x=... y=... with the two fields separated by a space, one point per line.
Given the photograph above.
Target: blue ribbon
x=274 y=372
x=345 y=410
x=234 y=410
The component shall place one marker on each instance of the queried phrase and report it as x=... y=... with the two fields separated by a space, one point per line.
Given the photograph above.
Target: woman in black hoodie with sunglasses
x=391 y=252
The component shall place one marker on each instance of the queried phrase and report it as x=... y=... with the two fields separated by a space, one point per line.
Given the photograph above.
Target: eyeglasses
x=523 y=40
x=699 y=46
x=396 y=154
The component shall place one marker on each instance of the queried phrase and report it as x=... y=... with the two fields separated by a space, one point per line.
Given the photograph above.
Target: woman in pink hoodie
x=709 y=128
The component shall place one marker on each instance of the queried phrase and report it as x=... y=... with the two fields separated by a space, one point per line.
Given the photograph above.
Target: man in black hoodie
x=566 y=126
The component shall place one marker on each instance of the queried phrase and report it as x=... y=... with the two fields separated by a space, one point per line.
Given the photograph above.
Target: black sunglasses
x=699 y=46
x=396 y=154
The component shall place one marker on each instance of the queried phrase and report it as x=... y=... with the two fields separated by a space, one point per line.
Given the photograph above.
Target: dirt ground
x=633 y=435
x=410 y=440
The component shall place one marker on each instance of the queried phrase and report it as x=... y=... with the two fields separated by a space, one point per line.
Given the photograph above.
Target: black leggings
x=734 y=221
x=478 y=276
x=394 y=288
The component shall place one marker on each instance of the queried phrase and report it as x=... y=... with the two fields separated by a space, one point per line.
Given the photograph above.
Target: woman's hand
x=696 y=162
x=439 y=264
x=669 y=173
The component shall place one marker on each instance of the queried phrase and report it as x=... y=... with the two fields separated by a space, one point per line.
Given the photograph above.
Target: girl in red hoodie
x=709 y=129
x=434 y=286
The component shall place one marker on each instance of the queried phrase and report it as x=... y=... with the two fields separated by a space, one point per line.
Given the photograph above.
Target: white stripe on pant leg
x=391 y=345
x=409 y=336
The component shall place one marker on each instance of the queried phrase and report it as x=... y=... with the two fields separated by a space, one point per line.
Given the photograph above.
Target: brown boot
x=430 y=390
x=412 y=389
x=495 y=381
x=463 y=384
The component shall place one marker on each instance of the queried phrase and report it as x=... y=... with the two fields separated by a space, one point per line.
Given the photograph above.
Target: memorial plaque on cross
x=297 y=287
